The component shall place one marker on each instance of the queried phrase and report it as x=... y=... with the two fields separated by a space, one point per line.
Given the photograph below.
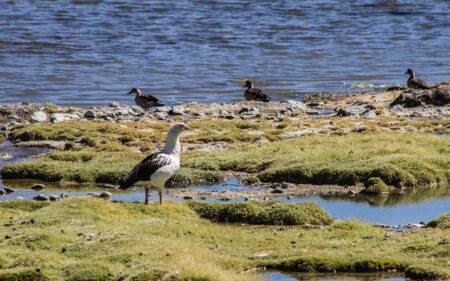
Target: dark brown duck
x=145 y=101
x=415 y=83
x=255 y=94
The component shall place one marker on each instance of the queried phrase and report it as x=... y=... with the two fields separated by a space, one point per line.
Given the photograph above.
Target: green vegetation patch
x=399 y=160
x=23 y=274
x=23 y=205
x=94 y=239
x=442 y=222
x=268 y=213
x=375 y=185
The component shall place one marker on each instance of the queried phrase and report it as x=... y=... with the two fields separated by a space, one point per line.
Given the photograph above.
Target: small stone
x=8 y=190
x=397 y=108
x=40 y=197
x=2 y=192
x=57 y=118
x=359 y=128
x=162 y=109
x=249 y=111
x=105 y=195
x=90 y=114
x=114 y=104
x=177 y=110
x=297 y=105
x=53 y=197
x=277 y=190
x=38 y=186
x=188 y=197
x=351 y=192
x=370 y=114
x=39 y=116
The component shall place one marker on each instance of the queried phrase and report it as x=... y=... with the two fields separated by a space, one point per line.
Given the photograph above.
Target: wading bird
x=252 y=93
x=158 y=167
x=145 y=101
x=415 y=83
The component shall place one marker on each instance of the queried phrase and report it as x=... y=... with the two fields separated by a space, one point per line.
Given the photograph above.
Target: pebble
x=38 y=186
x=105 y=195
x=187 y=197
x=39 y=116
x=177 y=110
x=8 y=190
x=114 y=104
x=57 y=118
x=53 y=197
x=2 y=192
x=359 y=128
x=40 y=197
x=277 y=190
x=90 y=114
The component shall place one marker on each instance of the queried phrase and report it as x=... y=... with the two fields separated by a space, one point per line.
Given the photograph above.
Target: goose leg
x=146 y=189
x=160 y=196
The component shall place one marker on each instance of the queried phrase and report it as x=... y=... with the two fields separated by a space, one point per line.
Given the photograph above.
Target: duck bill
x=130 y=92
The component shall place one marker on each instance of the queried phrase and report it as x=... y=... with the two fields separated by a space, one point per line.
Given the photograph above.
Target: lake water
x=91 y=52
x=284 y=276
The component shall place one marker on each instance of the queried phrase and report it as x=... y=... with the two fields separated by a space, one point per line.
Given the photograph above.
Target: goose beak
x=130 y=92
x=406 y=72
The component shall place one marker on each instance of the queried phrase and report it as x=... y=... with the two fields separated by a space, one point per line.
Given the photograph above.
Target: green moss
x=314 y=264
x=93 y=239
x=51 y=108
x=426 y=273
x=25 y=274
x=88 y=272
x=23 y=205
x=376 y=185
x=398 y=160
x=269 y=213
x=442 y=222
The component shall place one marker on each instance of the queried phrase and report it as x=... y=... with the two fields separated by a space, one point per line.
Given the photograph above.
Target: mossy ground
x=105 y=152
x=79 y=238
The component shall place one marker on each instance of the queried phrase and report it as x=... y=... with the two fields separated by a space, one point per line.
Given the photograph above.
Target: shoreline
x=220 y=127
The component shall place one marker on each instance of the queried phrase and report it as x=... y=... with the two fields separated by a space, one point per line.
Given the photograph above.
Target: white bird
x=158 y=167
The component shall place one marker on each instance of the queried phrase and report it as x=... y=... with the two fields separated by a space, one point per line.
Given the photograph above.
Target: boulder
x=40 y=197
x=177 y=110
x=38 y=186
x=39 y=116
x=90 y=114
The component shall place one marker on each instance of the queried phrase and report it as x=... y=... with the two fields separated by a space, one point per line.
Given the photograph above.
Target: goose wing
x=144 y=169
x=420 y=84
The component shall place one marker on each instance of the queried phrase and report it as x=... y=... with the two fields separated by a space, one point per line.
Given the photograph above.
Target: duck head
x=135 y=91
x=410 y=72
x=248 y=84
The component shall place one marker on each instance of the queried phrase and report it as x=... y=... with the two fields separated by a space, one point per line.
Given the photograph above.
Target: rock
x=177 y=110
x=355 y=110
x=440 y=97
x=53 y=197
x=40 y=197
x=57 y=118
x=8 y=190
x=255 y=133
x=114 y=104
x=188 y=197
x=370 y=114
x=277 y=191
x=90 y=114
x=397 y=108
x=105 y=195
x=351 y=192
x=297 y=105
x=111 y=186
x=248 y=111
x=260 y=255
x=296 y=134
x=359 y=128
x=4 y=155
x=2 y=192
x=289 y=197
x=38 y=186
x=226 y=114
x=39 y=116
x=165 y=109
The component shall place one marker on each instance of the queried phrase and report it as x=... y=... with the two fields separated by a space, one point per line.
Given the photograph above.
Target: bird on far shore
x=146 y=101
x=255 y=94
x=415 y=83
x=158 y=167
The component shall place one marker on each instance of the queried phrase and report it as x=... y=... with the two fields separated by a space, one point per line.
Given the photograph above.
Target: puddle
x=284 y=276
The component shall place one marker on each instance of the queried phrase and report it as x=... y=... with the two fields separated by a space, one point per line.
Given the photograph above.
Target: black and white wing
x=144 y=169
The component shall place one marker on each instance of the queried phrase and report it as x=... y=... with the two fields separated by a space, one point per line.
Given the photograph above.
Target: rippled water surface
x=89 y=52
x=280 y=276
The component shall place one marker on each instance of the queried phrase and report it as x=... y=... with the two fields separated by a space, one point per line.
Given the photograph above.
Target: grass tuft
x=268 y=213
